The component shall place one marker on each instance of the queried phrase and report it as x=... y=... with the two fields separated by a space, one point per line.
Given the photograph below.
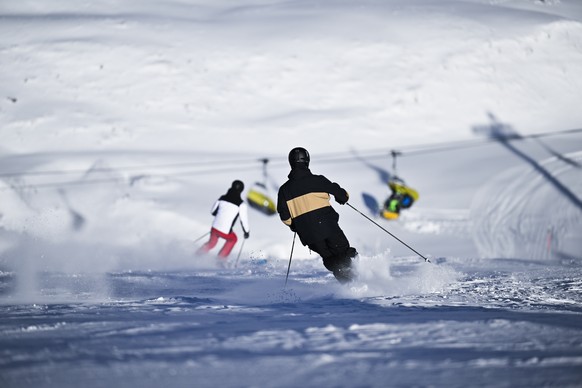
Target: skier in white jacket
x=226 y=210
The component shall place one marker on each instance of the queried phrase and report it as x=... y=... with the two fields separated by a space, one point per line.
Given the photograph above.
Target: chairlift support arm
x=394 y=154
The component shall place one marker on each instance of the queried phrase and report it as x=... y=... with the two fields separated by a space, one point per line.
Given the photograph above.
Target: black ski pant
x=336 y=254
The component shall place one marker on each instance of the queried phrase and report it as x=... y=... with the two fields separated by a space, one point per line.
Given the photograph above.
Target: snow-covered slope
x=161 y=96
x=532 y=211
x=113 y=75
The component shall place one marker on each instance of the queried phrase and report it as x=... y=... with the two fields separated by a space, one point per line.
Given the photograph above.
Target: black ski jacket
x=303 y=205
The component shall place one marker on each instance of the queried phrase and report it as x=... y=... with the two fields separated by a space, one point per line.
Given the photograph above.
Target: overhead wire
x=211 y=166
x=123 y=168
x=120 y=179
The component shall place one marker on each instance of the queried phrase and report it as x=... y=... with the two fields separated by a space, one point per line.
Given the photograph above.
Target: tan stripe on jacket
x=306 y=203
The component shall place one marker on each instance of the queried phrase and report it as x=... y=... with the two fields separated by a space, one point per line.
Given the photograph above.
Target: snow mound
x=531 y=211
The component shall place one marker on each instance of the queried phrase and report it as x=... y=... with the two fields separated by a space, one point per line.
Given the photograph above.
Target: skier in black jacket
x=303 y=205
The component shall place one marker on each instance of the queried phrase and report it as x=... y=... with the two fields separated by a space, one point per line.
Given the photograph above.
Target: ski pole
x=380 y=226
x=239 y=252
x=290 y=257
x=201 y=237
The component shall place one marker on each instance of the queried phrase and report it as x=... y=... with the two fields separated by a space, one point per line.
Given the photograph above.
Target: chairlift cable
x=235 y=165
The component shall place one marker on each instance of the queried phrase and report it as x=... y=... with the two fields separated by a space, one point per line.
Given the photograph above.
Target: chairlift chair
x=258 y=196
x=402 y=196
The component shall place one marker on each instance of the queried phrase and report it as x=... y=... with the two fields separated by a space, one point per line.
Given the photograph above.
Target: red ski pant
x=230 y=238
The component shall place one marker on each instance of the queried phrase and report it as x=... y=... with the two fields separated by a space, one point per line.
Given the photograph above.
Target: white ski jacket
x=226 y=213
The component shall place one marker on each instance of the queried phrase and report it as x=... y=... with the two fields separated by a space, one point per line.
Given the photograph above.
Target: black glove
x=247 y=234
x=292 y=227
x=342 y=200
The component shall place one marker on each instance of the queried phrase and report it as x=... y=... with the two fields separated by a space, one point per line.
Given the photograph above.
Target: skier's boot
x=344 y=272
x=344 y=275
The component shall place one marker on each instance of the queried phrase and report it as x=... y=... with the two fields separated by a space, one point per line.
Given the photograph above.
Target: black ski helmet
x=298 y=156
x=238 y=186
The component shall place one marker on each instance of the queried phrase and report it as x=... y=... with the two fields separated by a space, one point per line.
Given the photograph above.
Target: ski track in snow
x=508 y=323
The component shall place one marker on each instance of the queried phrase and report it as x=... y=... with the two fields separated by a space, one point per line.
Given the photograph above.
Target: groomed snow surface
x=121 y=122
